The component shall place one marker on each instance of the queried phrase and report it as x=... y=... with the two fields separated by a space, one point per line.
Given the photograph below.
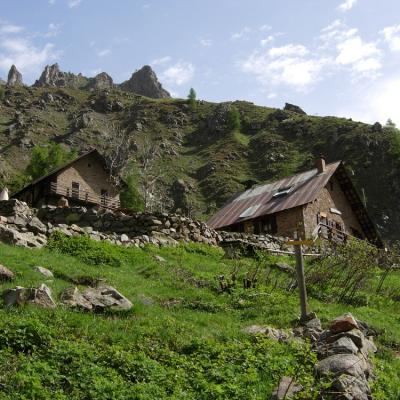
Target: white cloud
x=206 y=42
x=24 y=54
x=351 y=51
x=379 y=102
x=347 y=5
x=267 y=40
x=272 y=96
x=10 y=28
x=53 y=30
x=288 y=50
x=179 y=73
x=161 y=60
x=241 y=34
x=103 y=52
x=265 y=27
x=52 y=2
x=391 y=35
x=74 y=3
x=287 y=65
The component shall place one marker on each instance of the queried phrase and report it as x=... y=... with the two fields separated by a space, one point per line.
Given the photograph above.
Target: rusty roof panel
x=305 y=188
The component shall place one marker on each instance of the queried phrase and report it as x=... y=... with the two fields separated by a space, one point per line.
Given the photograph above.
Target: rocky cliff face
x=14 y=77
x=145 y=83
x=53 y=76
x=100 y=82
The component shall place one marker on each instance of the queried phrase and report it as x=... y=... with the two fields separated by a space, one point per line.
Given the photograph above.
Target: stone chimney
x=320 y=164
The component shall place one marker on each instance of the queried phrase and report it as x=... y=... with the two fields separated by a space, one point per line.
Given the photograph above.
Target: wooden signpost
x=301 y=282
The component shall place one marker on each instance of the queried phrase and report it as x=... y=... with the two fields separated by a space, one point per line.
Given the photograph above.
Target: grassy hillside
x=196 y=145
x=183 y=338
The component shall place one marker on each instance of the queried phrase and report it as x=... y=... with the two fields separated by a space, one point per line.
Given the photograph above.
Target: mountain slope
x=198 y=161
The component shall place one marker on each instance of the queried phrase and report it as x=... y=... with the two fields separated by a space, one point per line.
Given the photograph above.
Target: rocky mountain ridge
x=143 y=81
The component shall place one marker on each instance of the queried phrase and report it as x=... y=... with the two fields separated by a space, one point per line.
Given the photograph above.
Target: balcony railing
x=84 y=196
x=331 y=233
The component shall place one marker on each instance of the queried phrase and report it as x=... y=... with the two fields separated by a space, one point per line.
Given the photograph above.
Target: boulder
x=344 y=323
x=19 y=296
x=100 y=298
x=14 y=77
x=339 y=364
x=286 y=389
x=281 y=266
x=6 y=274
x=44 y=271
x=145 y=83
x=272 y=333
x=73 y=297
x=352 y=388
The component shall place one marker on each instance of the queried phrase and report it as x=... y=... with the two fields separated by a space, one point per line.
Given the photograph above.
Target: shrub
x=87 y=250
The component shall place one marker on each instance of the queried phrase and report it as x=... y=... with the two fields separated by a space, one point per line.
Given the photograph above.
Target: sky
x=330 y=57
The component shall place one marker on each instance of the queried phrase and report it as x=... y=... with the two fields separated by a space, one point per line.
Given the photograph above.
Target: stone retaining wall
x=21 y=225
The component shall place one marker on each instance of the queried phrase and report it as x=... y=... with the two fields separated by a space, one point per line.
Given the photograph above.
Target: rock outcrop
x=100 y=82
x=52 y=76
x=145 y=83
x=14 y=77
x=294 y=108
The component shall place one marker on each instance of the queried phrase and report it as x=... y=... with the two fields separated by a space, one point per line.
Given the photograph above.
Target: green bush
x=87 y=250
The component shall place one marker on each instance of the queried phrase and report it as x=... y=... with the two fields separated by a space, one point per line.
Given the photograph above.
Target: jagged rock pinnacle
x=14 y=77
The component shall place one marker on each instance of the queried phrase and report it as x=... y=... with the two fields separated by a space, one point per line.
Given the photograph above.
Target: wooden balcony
x=328 y=232
x=84 y=196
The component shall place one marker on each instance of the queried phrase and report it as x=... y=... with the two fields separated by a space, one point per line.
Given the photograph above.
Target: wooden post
x=301 y=282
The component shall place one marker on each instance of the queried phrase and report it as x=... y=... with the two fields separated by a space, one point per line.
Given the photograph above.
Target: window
x=248 y=212
x=75 y=189
x=104 y=197
x=283 y=191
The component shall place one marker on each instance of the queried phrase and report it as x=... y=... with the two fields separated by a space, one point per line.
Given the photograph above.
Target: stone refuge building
x=83 y=181
x=321 y=202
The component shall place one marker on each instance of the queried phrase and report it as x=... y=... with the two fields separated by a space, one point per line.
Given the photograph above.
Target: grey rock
x=51 y=76
x=124 y=238
x=160 y=259
x=14 y=77
x=352 y=388
x=20 y=296
x=283 y=267
x=97 y=299
x=339 y=364
x=6 y=274
x=145 y=83
x=271 y=333
x=44 y=271
x=101 y=81
x=37 y=226
x=286 y=389
x=73 y=297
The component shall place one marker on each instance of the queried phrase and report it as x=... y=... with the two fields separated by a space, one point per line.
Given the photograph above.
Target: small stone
x=6 y=274
x=44 y=271
x=124 y=238
x=344 y=323
x=160 y=259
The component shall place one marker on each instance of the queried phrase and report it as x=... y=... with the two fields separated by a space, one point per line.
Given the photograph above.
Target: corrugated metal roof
x=305 y=188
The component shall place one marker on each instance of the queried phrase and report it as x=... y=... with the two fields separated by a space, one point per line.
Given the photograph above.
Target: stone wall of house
x=91 y=176
x=289 y=221
x=330 y=197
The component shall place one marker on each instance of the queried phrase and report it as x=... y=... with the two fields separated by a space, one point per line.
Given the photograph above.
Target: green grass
x=183 y=338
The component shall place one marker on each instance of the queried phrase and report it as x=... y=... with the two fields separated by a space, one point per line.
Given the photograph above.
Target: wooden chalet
x=83 y=181
x=320 y=202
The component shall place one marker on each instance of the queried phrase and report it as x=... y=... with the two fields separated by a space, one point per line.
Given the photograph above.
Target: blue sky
x=331 y=57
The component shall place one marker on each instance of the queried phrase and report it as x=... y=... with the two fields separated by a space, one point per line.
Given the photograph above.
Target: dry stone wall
x=23 y=226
